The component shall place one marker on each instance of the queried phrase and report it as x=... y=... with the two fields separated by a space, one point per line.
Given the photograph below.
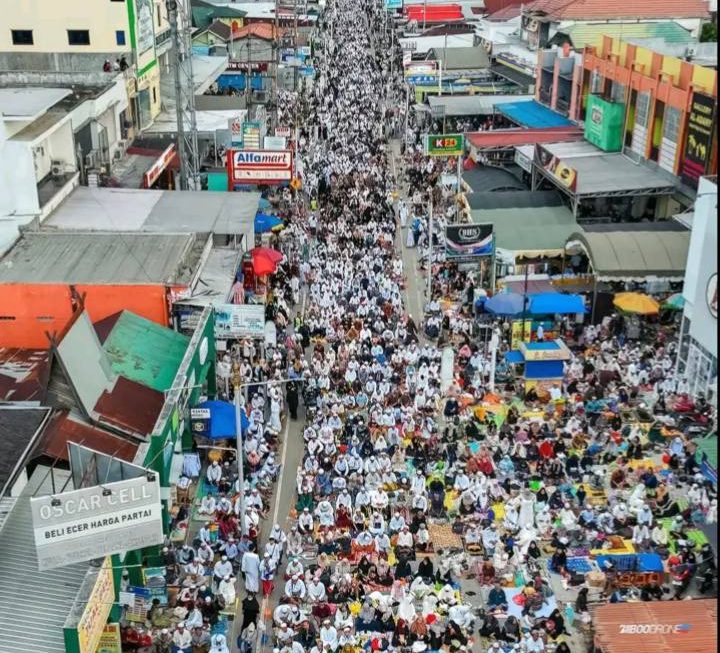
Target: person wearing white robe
x=251 y=571
x=214 y=473
x=218 y=644
x=226 y=589
x=527 y=513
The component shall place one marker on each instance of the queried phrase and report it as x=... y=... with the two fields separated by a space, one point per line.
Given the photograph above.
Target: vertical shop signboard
x=93 y=619
x=698 y=139
x=444 y=145
x=110 y=641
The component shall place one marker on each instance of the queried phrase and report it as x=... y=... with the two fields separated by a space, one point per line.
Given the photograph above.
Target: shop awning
x=521 y=79
x=688 y=630
x=222 y=419
x=514 y=357
x=470 y=105
x=532 y=231
x=532 y=114
x=544 y=370
x=556 y=303
x=435 y=13
x=634 y=254
x=504 y=138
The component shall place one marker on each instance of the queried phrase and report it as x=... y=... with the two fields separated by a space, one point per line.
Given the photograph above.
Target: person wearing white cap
x=182 y=637
x=250 y=568
x=329 y=634
x=214 y=473
x=226 y=589
x=295 y=588
x=218 y=644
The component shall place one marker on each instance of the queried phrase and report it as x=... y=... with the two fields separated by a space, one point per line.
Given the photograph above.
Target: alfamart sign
x=260 y=166
x=97 y=521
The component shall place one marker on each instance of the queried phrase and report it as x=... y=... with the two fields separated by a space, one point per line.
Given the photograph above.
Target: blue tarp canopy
x=222 y=419
x=507 y=303
x=543 y=369
x=556 y=303
x=265 y=222
x=532 y=114
x=514 y=356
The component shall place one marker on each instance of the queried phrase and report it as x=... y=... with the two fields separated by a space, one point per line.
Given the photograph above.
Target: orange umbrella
x=635 y=302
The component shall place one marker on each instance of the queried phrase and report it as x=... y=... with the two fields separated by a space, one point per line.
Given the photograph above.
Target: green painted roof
x=583 y=34
x=145 y=352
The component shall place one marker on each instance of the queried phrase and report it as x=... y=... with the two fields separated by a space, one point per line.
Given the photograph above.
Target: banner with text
x=468 y=241
x=240 y=321
x=260 y=166
x=699 y=139
x=444 y=144
x=97 y=521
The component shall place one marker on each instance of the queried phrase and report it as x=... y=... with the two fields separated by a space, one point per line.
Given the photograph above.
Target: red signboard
x=151 y=176
x=259 y=167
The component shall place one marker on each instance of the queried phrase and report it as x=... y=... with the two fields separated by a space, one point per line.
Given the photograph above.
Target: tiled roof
x=613 y=9
x=506 y=13
x=257 y=30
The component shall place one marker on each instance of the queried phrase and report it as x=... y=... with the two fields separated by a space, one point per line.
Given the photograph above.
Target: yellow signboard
x=517 y=333
x=110 y=641
x=558 y=353
x=94 y=618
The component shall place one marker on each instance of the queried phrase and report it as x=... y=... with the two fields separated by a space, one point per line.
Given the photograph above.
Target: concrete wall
x=49 y=20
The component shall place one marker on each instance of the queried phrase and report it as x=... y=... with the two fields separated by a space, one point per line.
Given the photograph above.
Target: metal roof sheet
x=18 y=427
x=636 y=253
x=531 y=113
x=141 y=350
x=614 y=9
x=499 y=138
x=470 y=58
x=471 y=105
x=100 y=258
x=130 y=406
x=584 y=34
x=33 y=604
x=24 y=374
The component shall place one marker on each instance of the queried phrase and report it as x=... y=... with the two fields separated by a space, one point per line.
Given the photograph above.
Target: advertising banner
x=93 y=619
x=97 y=521
x=561 y=171
x=137 y=601
x=251 y=136
x=200 y=421
x=392 y=5
x=274 y=142
x=523 y=161
x=235 y=125
x=468 y=242
x=283 y=131
x=110 y=641
x=604 y=123
x=698 y=139
x=163 y=161
x=421 y=68
x=239 y=321
x=260 y=167
x=444 y=145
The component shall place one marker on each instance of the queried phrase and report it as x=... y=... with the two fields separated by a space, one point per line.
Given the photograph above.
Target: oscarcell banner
x=97 y=521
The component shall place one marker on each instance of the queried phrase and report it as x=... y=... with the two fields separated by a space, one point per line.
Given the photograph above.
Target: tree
x=708 y=33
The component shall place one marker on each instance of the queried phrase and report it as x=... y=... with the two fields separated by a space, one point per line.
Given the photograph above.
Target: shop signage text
x=240 y=321
x=260 y=166
x=94 y=618
x=151 y=176
x=561 y=171
x=445 y=145
x=468 y=242
x=699 y=139
x=92 y=522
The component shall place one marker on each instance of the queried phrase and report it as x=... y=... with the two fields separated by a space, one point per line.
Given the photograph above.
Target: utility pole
x=430 y=250
x=179 y=18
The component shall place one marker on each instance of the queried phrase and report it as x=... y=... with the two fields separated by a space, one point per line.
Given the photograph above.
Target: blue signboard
x=307 y=71
x=392 y=5
x=418 y=80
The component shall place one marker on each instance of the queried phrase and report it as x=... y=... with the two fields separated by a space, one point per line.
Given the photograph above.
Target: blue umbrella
x=548 y=303
x=266 y=222
x=510 y=303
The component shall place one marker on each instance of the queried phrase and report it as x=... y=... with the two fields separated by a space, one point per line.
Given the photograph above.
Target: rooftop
x=581 y=35
x=24 y=374
x=530 y=113
x=467 y=58
x=18 y=427
x=154 y=211
x=614 y=9
x=101 y=258
x=471 y=105
x=501 y=138
x=29 y=103
x=141 y=350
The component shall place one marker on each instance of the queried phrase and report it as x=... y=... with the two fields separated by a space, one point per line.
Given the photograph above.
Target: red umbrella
x=265 y=260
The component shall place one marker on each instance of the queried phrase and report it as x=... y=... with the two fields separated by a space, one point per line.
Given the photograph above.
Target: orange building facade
x=30 y=311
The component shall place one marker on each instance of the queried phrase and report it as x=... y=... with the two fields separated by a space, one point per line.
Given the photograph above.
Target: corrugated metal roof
x=24 y=374
x=141 y=350
x=691 y=627
x=532 y=114
x=471 y=105
x=100 y=258
x=584 y=34
x=130 y=406
x=636 y=254
x=472 y=58
x=33 y=604
x=62 y=429
x=614 y=9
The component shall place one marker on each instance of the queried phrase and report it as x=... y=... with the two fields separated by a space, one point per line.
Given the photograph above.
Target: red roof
x=62 y=429
x=24 y=374
x=504 y=137
x=613 y=9
x=506 y=13
x=435 y=13
x=257 y=30
x=130 y=406
x=495 y=6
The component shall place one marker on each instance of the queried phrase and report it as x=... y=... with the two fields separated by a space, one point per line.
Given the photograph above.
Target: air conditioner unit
x=57 y=168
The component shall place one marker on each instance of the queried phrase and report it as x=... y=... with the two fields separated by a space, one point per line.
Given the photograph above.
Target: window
x=120 y=36
x=78 y=37
x=159 y=17
x=22 y=36
x=154 y=95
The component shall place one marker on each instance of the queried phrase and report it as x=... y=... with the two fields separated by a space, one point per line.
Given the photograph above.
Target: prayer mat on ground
x=442 y=537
